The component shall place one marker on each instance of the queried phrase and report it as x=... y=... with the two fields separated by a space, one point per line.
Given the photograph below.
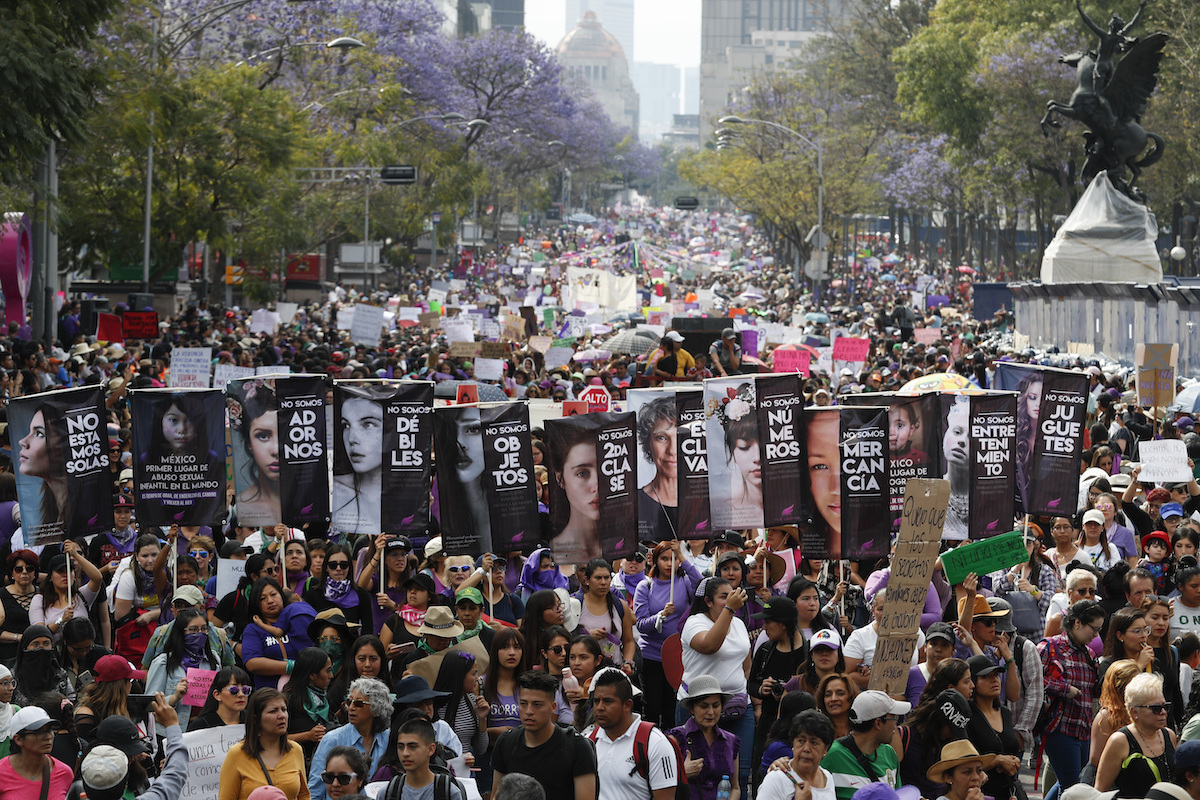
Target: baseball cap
x=1170 y=510
x=730 y=537
x=1187 y=755
x=1094 y=515
x=470 y=593
x=636 y=691
x=728 y=333
x=421 y=581
x=1004 y=623
x=1156 y=536
x=1082 y=791
x=827 y=637
x=981 y=666
x=954 y=710
x=433 y=547
x=941 y=630
x=398 y=543
x=188 y=594
x=116 y=668
x=674 y=336
x=778 y=609
x=232 y=547
x=873 y=704
x=121 y=733
x=104 y=771
x=30 y=718
x=1184 y=423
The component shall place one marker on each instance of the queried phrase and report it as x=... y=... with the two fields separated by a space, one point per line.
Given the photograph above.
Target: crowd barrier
x=1109 y=318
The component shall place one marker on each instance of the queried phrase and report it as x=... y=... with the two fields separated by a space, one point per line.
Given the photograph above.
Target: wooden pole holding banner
x=383 y=571
x=671 y=598
x=71 y=568
x=491 y=602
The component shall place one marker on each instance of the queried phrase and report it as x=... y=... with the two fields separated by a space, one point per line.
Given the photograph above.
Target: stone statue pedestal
x=1107 y=237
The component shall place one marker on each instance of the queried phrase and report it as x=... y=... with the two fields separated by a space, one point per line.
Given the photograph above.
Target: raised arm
x=1092 y=26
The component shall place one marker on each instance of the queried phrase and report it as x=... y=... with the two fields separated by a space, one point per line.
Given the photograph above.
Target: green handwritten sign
x=567 y=342
x=982 y=557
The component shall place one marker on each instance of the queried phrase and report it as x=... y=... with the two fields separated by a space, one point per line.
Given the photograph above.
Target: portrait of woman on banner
x=254 y=425
x=42 y=454
x=574 y=492
x=658 y=499
x=358 y=458
x=735 y=462
x=822 y=432
x=463 y=502
x=181 y=446
x=1029 y=405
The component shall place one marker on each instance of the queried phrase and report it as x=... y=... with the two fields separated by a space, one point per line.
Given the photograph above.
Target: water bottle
x=569 y=682
x=724 y=788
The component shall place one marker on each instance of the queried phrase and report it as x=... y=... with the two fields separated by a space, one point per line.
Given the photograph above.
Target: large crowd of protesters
x=1078 y=662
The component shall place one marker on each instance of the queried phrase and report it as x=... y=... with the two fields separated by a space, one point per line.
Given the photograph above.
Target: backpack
x=641 y=758
x=442 y=780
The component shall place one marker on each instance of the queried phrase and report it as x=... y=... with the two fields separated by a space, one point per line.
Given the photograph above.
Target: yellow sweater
x=241 y=774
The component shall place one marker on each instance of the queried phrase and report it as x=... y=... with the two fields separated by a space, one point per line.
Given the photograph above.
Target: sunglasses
x=198 y=553
x=558 y=649
x=1104 y=506
x=337 y=565
x=19 y=568
x=990 y=623
x=271 y=570
x=236 y=690
x=356 y=703
x=341 y=779
x=464 y=568
x=1157 y=708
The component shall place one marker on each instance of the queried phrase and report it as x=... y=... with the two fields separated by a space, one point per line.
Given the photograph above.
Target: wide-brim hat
x=415 y=689
x=440 y=621
x=955 y=753
x=703 y=686
x=331 y=618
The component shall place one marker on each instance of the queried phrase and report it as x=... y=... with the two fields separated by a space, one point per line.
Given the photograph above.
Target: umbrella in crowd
x=593 y=355
x=818 y=317
x=940 y=382
x=488 y=392
x=635 y=342
x=1188 y=401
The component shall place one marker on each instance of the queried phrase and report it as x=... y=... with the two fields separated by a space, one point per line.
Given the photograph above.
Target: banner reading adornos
x=735 y=486
x=179 y=456
x=64 y=484
x=1051 y=412
x=593 y=511
x=280 y=462
x=847 y=488
x=382 y=449
x=914 y=440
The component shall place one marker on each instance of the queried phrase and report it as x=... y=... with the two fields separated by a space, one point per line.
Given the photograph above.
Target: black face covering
x=38 y=672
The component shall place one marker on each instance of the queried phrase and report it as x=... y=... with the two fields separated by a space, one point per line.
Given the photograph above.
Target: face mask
x=195 y=641
x=333 y=650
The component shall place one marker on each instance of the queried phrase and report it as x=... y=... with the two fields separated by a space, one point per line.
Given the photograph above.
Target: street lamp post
x=820 y=237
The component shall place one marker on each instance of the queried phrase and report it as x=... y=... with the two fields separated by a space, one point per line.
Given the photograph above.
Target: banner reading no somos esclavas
x=847 y=488
x=179 y=456
x=64 y=482
x=280 y=463
x=593 y=510
x=383 y=436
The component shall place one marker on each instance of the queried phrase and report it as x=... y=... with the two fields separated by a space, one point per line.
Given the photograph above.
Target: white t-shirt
x=725 y=665
x=861 y=644
x=1098 y=558
x=1185 y=618
x=778 y=785
x=613 y=759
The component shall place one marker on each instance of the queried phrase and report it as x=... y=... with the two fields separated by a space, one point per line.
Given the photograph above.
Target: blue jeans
x=1067 y=755
x=743 y=729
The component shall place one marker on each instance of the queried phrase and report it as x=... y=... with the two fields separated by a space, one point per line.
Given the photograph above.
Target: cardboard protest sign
x=1164 y=461
x=540 y=343
x=206 y=751
x=559 y=357
x=1155 y=365
x=367 y=326
x=927 y=336
x=498 y=350
x=489 y=369
x=199 y=682
x=466 y=349
x=190 y=367
x=990 y=555
x=430 y=320
x=921 y=524
x=224 y=373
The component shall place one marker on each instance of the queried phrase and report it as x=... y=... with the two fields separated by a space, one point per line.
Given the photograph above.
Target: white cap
x=674 y=336
x=1094 y=515
x=636 y=691
x=874 y=704
x=30 y=718
x=104 y=767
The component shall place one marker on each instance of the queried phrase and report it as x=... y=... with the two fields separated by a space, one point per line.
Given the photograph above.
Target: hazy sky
x=666 y=31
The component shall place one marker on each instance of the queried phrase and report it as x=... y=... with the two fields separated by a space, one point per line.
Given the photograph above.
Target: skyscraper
x=508 y=14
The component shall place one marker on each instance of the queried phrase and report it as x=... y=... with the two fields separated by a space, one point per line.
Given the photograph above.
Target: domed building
x=597 y=57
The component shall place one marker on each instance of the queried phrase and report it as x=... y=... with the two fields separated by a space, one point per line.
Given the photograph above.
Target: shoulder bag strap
x=45 y=778
x=848 y=742
x=266 y=774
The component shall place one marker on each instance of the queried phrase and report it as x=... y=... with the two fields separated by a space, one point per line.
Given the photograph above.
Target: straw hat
x=955 y=753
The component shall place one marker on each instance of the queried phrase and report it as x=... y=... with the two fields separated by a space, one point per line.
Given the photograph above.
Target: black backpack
x=442 y=781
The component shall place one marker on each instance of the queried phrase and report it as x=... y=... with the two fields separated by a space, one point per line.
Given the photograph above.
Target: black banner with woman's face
x=993 y=481
x=695 y=515
x=780 y=402
x=60 y=450
x=382 y=446
x=179 y=456
x=303 y=459
x=593 y=509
